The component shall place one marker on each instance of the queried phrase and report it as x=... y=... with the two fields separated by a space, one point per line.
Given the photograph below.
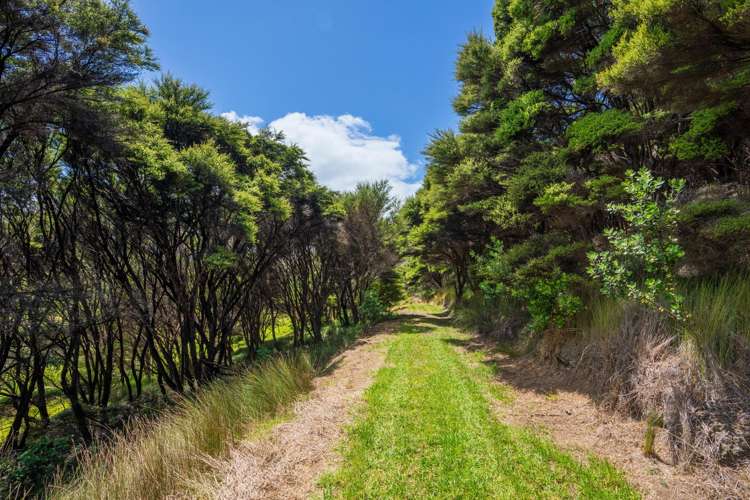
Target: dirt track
x=288 y=462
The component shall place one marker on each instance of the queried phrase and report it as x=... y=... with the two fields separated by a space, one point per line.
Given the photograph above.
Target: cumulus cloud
x=343 y=151
x=252 y=123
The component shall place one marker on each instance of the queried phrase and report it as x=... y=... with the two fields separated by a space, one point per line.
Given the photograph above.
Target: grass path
x=428 y=431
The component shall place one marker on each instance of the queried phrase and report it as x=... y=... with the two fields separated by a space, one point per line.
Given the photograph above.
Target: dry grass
x=646 y=365
x=156 y=460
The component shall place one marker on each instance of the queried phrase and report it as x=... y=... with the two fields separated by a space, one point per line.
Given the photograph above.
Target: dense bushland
x=147 y=245
x=597 y=194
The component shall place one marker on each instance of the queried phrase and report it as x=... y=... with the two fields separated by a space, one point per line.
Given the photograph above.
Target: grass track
x=428 y=432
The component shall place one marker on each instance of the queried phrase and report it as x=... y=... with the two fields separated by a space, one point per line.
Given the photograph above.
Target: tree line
x=602 y=148
x=140 y=235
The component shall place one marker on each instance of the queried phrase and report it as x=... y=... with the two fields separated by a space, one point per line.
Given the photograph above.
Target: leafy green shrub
x=560 y=195
x=549 y=300
x=594 y=129
x=639 y=263
x=372 y=309
x=535 y=284
x=35 y=465
x=699 y=141
x=389 y=289
x=605 y=188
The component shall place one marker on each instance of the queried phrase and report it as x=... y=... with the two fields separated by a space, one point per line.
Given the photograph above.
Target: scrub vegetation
x=170 y=280
x=593 y=206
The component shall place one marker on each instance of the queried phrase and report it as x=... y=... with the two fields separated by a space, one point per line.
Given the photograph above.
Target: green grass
x=718 y=316
x=422 y=308
x=429 y=432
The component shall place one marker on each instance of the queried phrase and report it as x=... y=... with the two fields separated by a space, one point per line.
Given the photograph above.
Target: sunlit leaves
x=639 y=263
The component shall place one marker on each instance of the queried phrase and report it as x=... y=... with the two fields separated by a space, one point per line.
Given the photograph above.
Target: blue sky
x=359 y=84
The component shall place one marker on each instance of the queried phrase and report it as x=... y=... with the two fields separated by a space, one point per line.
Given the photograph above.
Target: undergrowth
x=159 y=459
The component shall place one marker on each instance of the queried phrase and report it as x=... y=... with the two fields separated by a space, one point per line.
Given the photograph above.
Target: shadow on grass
x=526 y=372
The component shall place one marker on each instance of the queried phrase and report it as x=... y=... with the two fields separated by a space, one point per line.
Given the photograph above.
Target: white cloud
x=343 y=152
x=252 y=123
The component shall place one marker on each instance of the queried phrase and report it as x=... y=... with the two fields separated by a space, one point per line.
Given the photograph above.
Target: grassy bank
x=429 y=432
x=162 y=458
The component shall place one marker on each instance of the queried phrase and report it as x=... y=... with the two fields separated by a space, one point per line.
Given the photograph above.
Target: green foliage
x=429 y=415
x=595 y=130
x=520 y=114
x=709 y=209
x=389 y=289
x=605 y=188
x=34 y=466
x=559 y=195
x=604 y=48
x=372 y=310
x=639 y=263
x=538 y=285
x=698 y=141
x=729 y=228
x=549 y=300
x=551 y=122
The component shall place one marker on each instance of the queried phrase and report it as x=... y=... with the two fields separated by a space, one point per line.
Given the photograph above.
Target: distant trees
x=140 y=235
x=555 y=109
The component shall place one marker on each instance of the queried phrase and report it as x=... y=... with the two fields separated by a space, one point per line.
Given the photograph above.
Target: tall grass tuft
x=718 y=314
x=602 y=317
x=158 y=459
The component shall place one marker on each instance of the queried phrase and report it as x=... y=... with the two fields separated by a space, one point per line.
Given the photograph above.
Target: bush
x=532 y=283
x=639 y=263
x=372 y=309
x=33 y=467
x=389 y=289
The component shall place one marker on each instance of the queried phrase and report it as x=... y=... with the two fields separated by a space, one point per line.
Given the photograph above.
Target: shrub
x=372 y=309
x=709 y=208
x=389 y=289
x=34 y=466
x=533 y=283
x=639 y=263
x=549 y=300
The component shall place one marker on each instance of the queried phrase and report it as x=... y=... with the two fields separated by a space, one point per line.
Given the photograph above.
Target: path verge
x=287 y=461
